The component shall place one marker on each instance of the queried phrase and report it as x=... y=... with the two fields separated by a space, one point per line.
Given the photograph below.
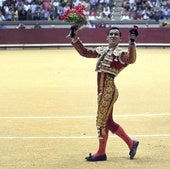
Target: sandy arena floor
x=48 y=109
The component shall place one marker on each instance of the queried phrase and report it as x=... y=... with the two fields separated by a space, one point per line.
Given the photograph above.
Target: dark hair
x=116 y=29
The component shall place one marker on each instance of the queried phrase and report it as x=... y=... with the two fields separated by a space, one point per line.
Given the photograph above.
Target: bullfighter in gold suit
x=112 y=60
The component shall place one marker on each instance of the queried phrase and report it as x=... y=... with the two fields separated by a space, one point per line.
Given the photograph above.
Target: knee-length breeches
x=107 y=96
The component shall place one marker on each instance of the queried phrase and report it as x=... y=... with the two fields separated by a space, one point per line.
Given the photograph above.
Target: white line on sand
x=83 y=117
x=76 y=137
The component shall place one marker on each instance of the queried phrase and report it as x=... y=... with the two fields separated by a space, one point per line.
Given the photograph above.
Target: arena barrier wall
x=89 y=36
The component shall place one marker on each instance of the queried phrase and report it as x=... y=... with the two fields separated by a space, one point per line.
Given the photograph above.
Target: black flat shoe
x=98 y=158
x=134 y=149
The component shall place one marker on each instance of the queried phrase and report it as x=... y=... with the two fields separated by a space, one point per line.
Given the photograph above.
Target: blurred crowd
x=20 y=10
x=158 y=10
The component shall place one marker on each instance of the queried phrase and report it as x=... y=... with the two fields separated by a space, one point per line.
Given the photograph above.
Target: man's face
x=113 y=38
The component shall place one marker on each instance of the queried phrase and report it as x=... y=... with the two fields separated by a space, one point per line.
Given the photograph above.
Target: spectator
x=92 y=15
x=86 y=4
x=166 y=13
x=36 y=14
x=52 y=13
x=46 y=14
x=145 y=14
x=93 y=4
x=33 y=7
x=56 y=4
x=106 y=11
x=125 y=17
x=19 y=5
x=2 y=17
x=10 y=14
x=47 y=4
x=26 y=6
x=131 y=4
x=1 y=3
x=37 y=26
x=22 y=15
x=29 y=15
x=21 y=26
x=99 y=15
x=42 y=13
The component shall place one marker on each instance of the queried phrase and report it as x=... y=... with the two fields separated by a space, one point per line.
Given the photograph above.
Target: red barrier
x=97 y=35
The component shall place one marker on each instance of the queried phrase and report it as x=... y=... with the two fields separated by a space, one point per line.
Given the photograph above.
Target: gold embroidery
x=106 y=100
x=117 y=51
x=109 y=70
x=104 y=63
x=101 y=82
x=101 y=50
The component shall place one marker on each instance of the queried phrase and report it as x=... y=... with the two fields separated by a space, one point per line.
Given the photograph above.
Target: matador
x=111 y=61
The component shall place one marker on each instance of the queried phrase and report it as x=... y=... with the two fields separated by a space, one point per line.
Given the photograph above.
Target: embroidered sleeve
x=83 y=51
x=130 y=56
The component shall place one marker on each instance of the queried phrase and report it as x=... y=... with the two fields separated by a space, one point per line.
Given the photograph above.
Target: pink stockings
x=118 y=130
x=102 y=145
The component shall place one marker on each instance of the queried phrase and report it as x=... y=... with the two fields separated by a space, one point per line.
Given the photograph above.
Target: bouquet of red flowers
x=75 y=16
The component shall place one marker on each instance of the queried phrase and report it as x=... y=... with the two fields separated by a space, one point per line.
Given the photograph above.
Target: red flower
x=75 y=15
